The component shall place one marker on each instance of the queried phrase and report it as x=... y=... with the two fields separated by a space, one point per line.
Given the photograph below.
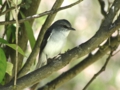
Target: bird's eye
x=65 y=26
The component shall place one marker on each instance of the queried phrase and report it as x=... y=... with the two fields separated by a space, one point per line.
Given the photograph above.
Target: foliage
x=3 y=65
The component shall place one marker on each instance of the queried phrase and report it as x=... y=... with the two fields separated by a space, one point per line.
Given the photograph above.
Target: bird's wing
x=43 y=44
x=46 y=37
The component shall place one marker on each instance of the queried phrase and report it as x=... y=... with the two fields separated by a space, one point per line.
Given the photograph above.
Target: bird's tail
x=42 y=60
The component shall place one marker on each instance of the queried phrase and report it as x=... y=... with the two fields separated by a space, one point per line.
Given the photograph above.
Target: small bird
x=54 y=40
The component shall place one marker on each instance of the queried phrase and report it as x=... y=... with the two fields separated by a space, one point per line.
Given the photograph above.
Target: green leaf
x=3 y=41
x=11 y=33
x=9 y=68
x=29 y=32
x=3 y=65
x=0 y=2
x=13 y=46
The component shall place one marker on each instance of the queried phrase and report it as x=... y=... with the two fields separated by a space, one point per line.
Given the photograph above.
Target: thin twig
x=16 y=34
x=17 y=28
x=3 y=6
x=9 y=9
x=99 y=72
x=40 y=15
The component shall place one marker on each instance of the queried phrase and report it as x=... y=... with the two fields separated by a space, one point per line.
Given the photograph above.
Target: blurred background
x=86 y=18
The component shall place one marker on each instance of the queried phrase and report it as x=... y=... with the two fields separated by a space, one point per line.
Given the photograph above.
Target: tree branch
x=98 y=73
x=3 y=6
x=41 y=14
x=10 y=9
x=66 y=76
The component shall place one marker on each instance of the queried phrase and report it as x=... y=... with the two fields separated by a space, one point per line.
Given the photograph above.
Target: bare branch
x=3 y=6
x=16 y=35
x=99 y=72
x=112 y=49
x=9 y=9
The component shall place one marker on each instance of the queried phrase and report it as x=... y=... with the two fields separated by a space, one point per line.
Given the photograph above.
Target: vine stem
x=16 y=34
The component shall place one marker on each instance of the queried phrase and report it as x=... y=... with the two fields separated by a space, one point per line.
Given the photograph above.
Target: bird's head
x=63 y=24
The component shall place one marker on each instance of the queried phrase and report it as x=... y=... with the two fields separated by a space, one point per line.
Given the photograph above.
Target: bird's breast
x=55 y=44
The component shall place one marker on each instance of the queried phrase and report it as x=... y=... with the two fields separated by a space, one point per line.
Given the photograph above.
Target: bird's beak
x=70 y=28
